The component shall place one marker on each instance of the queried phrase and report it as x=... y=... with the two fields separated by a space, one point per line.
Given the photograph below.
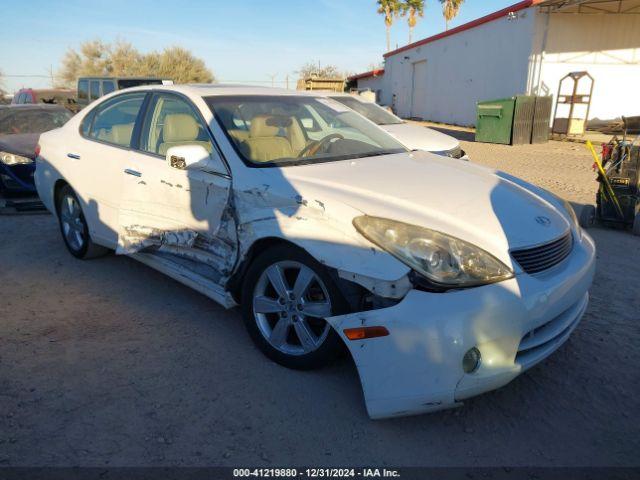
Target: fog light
x=471 y=360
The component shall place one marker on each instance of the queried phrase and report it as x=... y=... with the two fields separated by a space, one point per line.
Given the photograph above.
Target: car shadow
x=461 y=135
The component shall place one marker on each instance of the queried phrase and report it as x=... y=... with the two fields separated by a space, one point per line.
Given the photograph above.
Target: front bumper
x=515 y=324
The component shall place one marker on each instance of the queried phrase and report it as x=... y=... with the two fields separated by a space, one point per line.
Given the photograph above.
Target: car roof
x=219 y=89
x=331 y=93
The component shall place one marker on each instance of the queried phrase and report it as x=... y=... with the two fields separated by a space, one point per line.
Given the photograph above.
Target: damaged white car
x=444 y=279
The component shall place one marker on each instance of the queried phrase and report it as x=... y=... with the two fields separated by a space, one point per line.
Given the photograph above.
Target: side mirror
x=194 y=157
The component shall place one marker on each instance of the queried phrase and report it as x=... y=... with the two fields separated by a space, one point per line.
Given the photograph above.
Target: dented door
x=175 y=210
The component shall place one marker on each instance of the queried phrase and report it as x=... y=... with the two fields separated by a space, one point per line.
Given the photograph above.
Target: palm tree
x=390 y=9
x=450 y=9
x=414 y=9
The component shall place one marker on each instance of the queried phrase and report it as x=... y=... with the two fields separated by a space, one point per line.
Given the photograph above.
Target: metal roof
x=372 y=73
x=591 y=6
x=548 y=6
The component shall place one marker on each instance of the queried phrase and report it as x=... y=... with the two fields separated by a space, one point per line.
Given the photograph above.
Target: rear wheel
x=73 y=226
x=286 y=297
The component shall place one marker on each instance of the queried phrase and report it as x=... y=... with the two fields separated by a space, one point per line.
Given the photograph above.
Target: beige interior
x=180 y=129
x=120 y=134
x=267 y=141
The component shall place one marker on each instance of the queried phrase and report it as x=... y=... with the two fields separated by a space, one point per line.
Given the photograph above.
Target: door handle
x=75 y=156
x=128 y=171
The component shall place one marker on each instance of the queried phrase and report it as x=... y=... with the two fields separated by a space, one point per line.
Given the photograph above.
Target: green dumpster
x=518 y=120
x=494 y=121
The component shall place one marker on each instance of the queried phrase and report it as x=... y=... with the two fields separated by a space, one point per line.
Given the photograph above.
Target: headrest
x=121 y=134
x=267 y=125
x=179 y=127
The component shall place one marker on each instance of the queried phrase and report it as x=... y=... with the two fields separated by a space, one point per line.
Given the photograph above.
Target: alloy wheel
x=290 y=303
x=72 y=223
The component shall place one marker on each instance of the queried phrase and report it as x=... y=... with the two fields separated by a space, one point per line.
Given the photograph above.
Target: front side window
x=171 y=121
x=373 y=112
x=94 y=89
x=83 y=90
x=114 y=119
x=281 y=130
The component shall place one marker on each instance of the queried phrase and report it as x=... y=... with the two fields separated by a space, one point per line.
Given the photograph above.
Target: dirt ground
x=107 y=362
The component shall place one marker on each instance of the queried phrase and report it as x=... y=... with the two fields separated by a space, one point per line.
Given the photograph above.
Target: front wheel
x=286 y=297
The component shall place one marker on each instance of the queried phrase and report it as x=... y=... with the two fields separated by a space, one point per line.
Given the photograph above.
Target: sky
x=241 y=41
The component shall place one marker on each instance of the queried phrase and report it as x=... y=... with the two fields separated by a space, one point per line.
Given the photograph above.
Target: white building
x=372 y=81
x=525 y=48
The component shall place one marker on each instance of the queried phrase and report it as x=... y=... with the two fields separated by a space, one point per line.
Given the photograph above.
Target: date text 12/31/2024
x=316 y=473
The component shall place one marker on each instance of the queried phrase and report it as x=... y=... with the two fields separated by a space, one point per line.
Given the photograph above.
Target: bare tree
x=390 y=9
x=2 y=92
x=310 y=69
x=122 y=59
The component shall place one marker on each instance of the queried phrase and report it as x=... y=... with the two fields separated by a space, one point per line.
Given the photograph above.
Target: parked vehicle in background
x=20 y=129
x=92 y=88
x=57 y=96
x=444 y=279
x=412 y=136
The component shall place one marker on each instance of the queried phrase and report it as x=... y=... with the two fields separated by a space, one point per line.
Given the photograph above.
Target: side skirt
x=187 y=277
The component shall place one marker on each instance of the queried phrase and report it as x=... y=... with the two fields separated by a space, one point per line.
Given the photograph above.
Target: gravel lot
x=107 y=362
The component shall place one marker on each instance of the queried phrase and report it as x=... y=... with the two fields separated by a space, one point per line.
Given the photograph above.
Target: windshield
x=31 y=120
x=373 y=112
x=278 y=130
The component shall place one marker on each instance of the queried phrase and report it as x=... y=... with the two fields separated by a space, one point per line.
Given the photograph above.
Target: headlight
x=12 y=159
x=443 y=259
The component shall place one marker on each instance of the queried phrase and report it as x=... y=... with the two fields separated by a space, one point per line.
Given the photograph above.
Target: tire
x=636 y=225
x=587 y=216
x=277 y=319
x=73 y=226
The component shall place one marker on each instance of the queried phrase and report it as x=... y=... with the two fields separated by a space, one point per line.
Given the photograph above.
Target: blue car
x=20 y=129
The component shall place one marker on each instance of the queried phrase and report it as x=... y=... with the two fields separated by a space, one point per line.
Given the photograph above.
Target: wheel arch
x=57 y=188
x=234 y=284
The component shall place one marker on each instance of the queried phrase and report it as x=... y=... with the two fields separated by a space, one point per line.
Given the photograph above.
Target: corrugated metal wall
x=486 y=62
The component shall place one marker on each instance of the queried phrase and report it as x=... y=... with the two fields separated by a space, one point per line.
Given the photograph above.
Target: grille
x=537 y=259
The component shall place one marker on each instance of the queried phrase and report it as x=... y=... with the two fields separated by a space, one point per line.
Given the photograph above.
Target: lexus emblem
x=544 y=221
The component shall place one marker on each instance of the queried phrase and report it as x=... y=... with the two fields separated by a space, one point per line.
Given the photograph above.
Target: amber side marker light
x=362 y=333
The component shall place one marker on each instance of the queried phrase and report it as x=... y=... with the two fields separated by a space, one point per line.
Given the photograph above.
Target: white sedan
x=411 y=135
x=444 y=279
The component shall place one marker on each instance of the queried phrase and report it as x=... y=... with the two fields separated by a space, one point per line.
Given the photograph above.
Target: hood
x=23 y=144
x=457 y=198
x=417 y=137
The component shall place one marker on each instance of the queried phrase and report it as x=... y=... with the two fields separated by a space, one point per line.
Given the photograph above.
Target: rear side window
x=113 y=121
x=94 y=89
x=83 y=90
x=108 y=87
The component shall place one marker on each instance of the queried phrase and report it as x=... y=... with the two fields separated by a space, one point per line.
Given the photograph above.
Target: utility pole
x=272 y=79
x=287 y=81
